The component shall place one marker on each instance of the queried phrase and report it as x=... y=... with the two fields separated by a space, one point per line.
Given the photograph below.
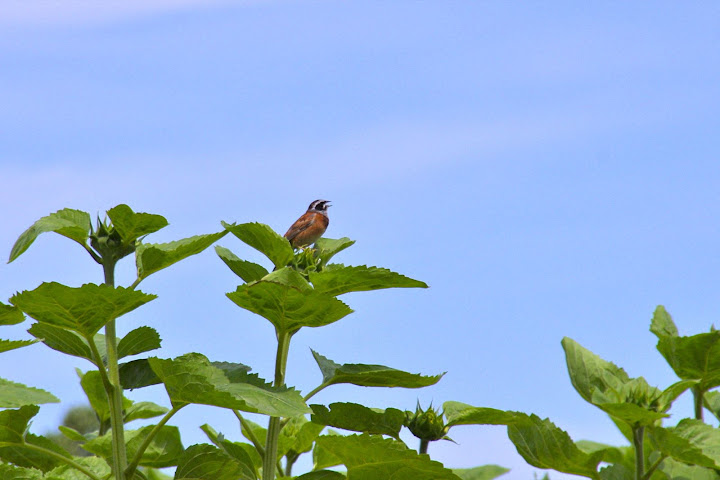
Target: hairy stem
x=423 y=446
x=273 y=432
x=249 y=433
x=638 y=437
x=698 y=396
x=130 y=471
x=114 y=390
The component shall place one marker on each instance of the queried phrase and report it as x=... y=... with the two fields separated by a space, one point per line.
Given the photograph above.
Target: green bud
x=106 y=241
x=426 y=424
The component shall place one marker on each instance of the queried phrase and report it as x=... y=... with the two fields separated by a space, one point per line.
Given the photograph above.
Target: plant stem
x=698 y=396
x=114 y=392
x=314 y=391
x=423 y=446
x=249 y=433
x=273 y=432
x=130 y=471
x=654 y=467
x=55 y=455
x=638 y=437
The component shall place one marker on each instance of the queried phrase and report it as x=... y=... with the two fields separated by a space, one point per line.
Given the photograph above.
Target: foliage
x=296 y=290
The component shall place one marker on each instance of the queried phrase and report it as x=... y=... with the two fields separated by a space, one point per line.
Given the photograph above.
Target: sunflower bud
x=106 y=241
x=426 y=424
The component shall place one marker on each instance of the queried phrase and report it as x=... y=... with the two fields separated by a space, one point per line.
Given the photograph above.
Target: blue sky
x=549 y=170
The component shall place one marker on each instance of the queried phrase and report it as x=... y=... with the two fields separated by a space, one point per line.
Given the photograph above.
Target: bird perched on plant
x=310 y=226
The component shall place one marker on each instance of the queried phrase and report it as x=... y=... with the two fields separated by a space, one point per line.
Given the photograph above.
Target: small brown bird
x=310 y=226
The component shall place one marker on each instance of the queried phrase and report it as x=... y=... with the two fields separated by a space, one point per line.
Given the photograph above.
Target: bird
x=310 y=226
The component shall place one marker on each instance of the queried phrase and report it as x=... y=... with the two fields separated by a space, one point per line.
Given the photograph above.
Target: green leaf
x=590 y=373
x=299 y=434
x=143 y=410
x=84 y=310
x=662 y=324
x=326 y=248
x=137 y=374
x=543 y=445
x=131 y=225
x=142 y=339
x=235 y=450
x=680 y=471
x=164 y=450
x=192 y=379
x=92 y=385
x=711 y=401
x=359 y=418
x=632 y=414
x=64 y=341
x=265 y=240
x=204 y=462
x=248 y=271
x=69 y=223
x=322 y=457
x=289 y=277
x=13 y=395
x=66 y=472
x=371 y=458
x=694 y=357
x=486 y=472
x=10 y=315
x=13 y=428
x=338 y=279
x=72 y=434
x=152 y=257
x=370 y=375
x=680 y=443
x=457 y=413
x=10 y=472
x=322 y=475
x=7 y=345
x=288 y=308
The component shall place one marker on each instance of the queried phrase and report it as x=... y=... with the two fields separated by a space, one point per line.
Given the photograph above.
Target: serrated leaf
x=66 y=472
x=359 y=418
x=589 y=373
x=10 y=315
x=711 y=401
x=370 y=458
x=265 y=240
x=13 y=428
x=486 y=472
x=289 y=277
x=680 y=443
x=192 y=379
x=543 y=445
x=370 y=375
x=662 y=324
x=92 y=385
x=326 y=248
x=7 y=345
x=143 y=410
x=153 y=257
x=164 y=450
x=64 y=341
x=202 y=461
x=142 y=339
x=340 y=279
x=694 y=357
x=131 y=225
x=73 y=224
x=322 y=457
x=631 y=414
x=137 y=374
x=10 y=472
x=13 y=395
x=288 y=308
x=322 y=475
x=679 y=471
x=84 y=309
x=248 y=271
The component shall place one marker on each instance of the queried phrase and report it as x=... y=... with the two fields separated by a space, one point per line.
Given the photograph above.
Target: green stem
x=654 y=467
x=638 y=437
x=130 y=471
x=115 y=392
x=698 y=396
x=55 y=455
x=315 y=391
x=423 y=446
x=249 y=433
x=291 y=459
x=273 y=432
